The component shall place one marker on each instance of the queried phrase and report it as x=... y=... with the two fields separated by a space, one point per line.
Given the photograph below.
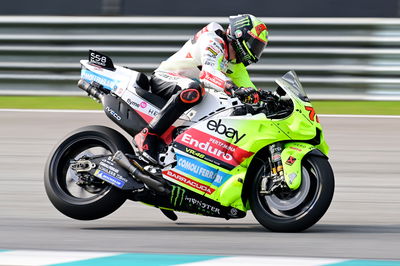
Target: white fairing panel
x=213 y=104
x=122 y=82
x=117 y=81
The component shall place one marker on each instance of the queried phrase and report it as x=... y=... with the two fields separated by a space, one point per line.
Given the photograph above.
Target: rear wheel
x=294 y=211
x=83 y=196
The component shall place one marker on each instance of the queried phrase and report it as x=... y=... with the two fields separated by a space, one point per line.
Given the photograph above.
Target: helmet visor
x=255 y=45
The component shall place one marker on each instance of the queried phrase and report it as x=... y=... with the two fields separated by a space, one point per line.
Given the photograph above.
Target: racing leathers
x=203 y=62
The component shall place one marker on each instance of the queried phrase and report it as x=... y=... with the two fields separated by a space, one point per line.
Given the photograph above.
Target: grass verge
x=85 y=103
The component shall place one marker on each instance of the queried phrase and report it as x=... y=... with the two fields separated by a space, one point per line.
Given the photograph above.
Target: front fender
x=291 y=157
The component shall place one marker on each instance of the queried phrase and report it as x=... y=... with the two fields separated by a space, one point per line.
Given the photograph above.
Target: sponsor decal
x=137 y=103
x=238 y=33
x=98 y=59
x=221 y=129
x=202 y=205
x=242 y=22
x=276 y=157
x=177 y=196
x=109 y=167
x=106 y=82
x=113 y=113
x=109 y=178
x=292 y=176
x=290 y=161
x=143 y=104
x=132 y=103
x=211 y=149
x=209 y=62
x=212 y=78
x=211 y=50
x=187 y=181
x=201 y=171
x=296 y=149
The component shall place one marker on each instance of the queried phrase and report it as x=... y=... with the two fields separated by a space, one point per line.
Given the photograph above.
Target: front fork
x=276 y=175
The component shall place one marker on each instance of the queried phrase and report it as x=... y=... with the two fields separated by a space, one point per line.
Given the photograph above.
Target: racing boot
x=147 y=143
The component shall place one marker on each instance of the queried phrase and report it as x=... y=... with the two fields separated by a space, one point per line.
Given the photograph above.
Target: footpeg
x=123 y=161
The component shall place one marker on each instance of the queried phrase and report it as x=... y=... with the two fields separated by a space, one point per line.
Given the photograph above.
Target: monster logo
x=177 y=196
x=242 y=22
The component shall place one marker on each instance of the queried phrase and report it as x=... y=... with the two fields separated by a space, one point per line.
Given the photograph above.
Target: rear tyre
x=96 y=198
x=297 y=210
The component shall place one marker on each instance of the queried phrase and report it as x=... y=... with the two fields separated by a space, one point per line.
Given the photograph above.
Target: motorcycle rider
x=212 y=59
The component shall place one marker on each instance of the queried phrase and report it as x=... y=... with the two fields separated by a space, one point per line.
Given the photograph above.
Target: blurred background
x=341 y=49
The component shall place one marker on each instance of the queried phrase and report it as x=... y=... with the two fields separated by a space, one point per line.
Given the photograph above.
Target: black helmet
x=248 y=36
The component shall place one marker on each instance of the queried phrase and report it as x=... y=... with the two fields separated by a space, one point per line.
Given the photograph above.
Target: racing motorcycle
x=221 y=158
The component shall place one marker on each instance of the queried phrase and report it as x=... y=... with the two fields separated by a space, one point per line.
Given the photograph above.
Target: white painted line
x=101 y=111
x=261 y=261
x=36 y=257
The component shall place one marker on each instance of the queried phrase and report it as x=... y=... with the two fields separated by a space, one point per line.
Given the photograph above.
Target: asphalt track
x=362 y=222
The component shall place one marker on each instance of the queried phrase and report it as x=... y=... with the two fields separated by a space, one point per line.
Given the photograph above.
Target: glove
x=267 y=96
x=247 y=95
x=230 y=88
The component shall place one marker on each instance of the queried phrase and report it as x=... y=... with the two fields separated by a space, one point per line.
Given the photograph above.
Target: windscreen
x=291 y=84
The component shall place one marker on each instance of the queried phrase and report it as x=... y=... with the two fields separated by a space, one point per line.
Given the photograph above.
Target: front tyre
x=93 y=198
x=297 y=210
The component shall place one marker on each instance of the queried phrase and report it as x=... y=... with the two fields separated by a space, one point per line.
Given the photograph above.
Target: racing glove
x=247 y=95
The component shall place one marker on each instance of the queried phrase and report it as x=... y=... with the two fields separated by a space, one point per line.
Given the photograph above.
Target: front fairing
x=303 y=123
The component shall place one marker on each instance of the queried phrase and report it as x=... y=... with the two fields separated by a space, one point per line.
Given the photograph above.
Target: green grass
x=86 y=103
x=357 y=107
x=48 y=102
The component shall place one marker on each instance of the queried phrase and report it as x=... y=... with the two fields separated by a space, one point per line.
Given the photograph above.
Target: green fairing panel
x=291 y=157
x=260 y=132
x=240 y=76
x=256 y=132
x=300 y=125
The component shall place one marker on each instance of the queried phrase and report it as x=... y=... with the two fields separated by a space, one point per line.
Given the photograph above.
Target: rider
x=212 y=59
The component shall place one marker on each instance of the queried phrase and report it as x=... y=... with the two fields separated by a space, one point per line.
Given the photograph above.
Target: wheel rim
x=65 y=178
x=293 y=204
x=90 y=189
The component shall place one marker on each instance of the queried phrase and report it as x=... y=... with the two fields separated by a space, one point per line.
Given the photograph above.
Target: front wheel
x=294 y=211
x=84 y=197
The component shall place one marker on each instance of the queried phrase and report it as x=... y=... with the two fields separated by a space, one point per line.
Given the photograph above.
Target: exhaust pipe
x=91 y=88
x=122 y=160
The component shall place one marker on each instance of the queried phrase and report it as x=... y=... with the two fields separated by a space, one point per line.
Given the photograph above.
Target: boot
x=147 y=144
x=148 y=139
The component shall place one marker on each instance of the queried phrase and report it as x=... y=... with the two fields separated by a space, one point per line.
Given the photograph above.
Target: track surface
x=362 y=222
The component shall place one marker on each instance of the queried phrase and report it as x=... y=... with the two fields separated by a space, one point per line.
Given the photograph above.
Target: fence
x=335 y=58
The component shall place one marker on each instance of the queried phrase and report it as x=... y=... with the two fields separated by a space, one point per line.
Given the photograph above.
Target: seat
x=144 y=91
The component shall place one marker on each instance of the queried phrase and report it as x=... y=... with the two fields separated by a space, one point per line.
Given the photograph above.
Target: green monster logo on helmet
x=248 y=36
x=242 y=22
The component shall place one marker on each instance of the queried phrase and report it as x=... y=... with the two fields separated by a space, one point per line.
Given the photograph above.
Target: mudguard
x=291 y=157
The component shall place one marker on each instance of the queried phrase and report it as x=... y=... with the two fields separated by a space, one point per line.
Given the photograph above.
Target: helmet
x=248 y=36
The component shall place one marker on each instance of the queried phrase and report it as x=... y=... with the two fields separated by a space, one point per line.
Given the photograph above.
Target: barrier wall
x=336 y=58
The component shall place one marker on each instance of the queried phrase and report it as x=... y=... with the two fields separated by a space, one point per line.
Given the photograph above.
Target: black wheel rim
x=65 y=180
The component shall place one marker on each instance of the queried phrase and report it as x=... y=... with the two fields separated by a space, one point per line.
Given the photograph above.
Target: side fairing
x=213 y=156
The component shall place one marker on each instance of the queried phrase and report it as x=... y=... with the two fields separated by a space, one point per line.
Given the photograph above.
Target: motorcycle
x=221 y=158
